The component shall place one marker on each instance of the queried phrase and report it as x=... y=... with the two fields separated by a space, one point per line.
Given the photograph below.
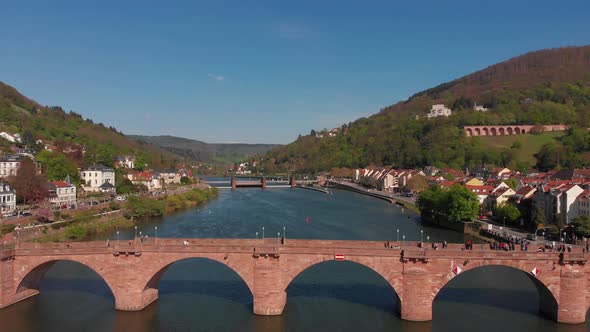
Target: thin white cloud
x=216 y=77
x=148 y=116
x=293 y=31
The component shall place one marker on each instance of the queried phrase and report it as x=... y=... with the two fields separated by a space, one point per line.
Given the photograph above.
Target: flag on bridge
x=339 y=257
x=535 y=271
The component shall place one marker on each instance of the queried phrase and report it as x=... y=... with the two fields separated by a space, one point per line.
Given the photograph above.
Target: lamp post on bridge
x=156 y=237
x=136 y=232
x=263 y=232
x=256 y=235
x=284 y=234
x=404 y=240
x=397 y=236
x=421 y=236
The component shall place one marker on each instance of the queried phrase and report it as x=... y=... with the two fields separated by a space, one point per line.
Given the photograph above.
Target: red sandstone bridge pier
x=132 y=269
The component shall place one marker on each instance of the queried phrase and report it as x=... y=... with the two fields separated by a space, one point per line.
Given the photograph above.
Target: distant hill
x=55 y=126
x=208 y=152
x=543 y=87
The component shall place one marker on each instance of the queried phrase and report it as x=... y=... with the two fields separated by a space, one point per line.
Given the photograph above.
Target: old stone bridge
x=132 y=269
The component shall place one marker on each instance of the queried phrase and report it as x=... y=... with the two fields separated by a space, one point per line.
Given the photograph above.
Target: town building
x=9 y=164
x=439 y=110
x=169 y=175
x=479 y=108
x=125 y=162
x=96 y=176
x=7 y=199
x=62 y=193
x=13 y=138
x=146 y=178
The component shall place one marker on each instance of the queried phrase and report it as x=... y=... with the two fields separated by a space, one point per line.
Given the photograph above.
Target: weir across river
x=132 y=269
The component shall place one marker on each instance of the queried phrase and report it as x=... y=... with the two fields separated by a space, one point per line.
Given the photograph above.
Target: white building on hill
x=439 y=110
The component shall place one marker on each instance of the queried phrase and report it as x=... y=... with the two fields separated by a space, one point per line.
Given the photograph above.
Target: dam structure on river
x=132 y=269
x=258 y=182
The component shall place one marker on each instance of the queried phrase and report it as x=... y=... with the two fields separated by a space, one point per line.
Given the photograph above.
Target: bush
x=138 y=207
x=76 y=232
x=7 y=228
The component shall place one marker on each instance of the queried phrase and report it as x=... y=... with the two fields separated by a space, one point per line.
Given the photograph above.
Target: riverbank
x=85 y=225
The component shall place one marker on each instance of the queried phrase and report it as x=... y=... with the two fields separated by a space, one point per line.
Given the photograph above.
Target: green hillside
x=523 y=146
x=543 y=87
x=54 y=126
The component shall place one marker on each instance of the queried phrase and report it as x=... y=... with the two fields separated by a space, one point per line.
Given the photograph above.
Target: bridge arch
x=29 y=278
x=486 y=131
x=377 y=265
x=234 y=263
x=548 y=300
x=469 y=132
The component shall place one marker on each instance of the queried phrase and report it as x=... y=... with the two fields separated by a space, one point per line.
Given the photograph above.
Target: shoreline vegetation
x=86 y=224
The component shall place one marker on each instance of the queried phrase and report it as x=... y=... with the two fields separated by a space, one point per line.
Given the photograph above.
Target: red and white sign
x=535 y=271
x=339 y=257
x=457 y=270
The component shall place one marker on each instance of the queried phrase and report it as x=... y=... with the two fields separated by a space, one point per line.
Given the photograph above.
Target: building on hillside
x=62 y=193
x=95 y=176
x=7 y=199
x=13 y=138
x=125 y=162
x=169 y=175
x=479 y=108
x=146 y=178
x=482 y=192
x=498 y=198
x=439 y=110
x=9 y=164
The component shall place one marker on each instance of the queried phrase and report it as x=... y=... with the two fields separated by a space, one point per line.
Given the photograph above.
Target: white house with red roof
x=62 y=193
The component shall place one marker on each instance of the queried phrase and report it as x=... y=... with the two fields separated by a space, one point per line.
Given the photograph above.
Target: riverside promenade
x=397 y=199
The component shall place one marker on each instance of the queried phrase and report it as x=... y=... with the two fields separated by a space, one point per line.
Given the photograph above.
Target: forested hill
x=68 y=130
x=208 y=152
x=543 y=87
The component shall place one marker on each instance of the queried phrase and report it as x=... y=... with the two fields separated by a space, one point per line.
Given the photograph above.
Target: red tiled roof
x=61 y=184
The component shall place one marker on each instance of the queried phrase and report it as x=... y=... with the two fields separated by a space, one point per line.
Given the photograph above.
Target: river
x=202 y=295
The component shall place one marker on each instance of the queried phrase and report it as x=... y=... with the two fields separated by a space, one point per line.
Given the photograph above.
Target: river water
x=202 y=295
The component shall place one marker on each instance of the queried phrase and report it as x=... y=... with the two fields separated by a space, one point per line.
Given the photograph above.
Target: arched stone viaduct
x=508 y=130
x=132 y=269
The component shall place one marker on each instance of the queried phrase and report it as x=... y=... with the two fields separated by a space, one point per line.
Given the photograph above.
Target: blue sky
x=261 y=71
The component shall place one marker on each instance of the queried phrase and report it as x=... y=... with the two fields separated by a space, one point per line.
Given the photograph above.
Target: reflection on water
x=202 y=295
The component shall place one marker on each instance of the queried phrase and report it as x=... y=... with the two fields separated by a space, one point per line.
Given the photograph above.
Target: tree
x=582 y=225
x=462 y=204
x=512 y=183
x=508 y=211
x=29 y=186
x=57 y=166
x=140 y=162
x=417 y=183
x=185 y=180
x=538 y=217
